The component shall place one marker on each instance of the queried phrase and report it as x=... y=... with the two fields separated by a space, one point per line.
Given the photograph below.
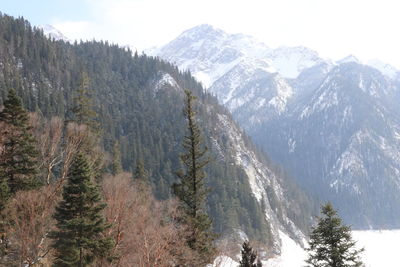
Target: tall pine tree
x=331 y=244
x=78 y=240
x=18 y=162
x=83 y=110
x=191 y=190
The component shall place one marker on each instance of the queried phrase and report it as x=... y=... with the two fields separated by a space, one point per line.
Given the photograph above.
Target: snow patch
x=224 y=261
x=384 y=68
x=381 y=247
x=293 y=255
x=166 y=80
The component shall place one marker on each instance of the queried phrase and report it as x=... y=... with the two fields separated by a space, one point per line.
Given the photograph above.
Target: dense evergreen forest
x=138 y=120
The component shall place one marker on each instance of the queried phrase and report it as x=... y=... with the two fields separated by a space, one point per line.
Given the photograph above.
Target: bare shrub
x=29 y=217
x=143 y=228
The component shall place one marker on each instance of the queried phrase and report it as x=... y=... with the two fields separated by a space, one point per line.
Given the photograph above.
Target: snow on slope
x=209 y=53
x=381 y=250
x=384 y=68
x=292 y=254
x=53 y=33
x=260 y=177
x=381 y=247
x=290 y=61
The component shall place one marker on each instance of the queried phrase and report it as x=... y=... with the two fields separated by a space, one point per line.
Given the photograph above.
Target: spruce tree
x=249 y=256
x=140 y=172
x=191 y=190
x=18 y=163
x=331 y=244
x=116 y=161
x=78 y=240
x=83 y=110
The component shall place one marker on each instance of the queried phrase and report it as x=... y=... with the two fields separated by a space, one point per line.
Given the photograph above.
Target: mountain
x=332 y=125
x=139 y=101
x=209 y=53
x=342 y=142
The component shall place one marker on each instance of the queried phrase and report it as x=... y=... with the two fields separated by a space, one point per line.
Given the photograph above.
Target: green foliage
x=140 y=172
x=78 y=240
x=4 y=193
x=116 y=160
x=331 y=244
x=83 y=109
x=18 y=164
x=191 y=190
x=249 y=256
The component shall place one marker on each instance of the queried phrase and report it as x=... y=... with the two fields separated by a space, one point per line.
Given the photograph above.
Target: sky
x=367 y=29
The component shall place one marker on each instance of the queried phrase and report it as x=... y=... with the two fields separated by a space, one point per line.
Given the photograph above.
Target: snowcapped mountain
x=349 y=58
x=53 y=33
x=342 y=141
x=333 y=125
x=242 y=72
x=209 y=53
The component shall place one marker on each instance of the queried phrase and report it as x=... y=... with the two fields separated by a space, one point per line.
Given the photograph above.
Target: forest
x=94 y=110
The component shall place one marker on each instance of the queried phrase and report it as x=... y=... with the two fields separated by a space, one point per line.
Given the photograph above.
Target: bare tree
x=144 y=232
x=48 y=134
x=29 y=217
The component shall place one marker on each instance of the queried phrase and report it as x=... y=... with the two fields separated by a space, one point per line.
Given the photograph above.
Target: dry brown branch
x=48 y=135
x=29 y=216
x=143 y=230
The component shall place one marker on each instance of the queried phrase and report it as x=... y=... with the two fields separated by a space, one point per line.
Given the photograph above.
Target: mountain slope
x=346 y=135
x=139 y=101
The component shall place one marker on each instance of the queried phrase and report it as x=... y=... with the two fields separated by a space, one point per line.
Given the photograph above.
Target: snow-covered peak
x=384 y=68
x=348 y=59
x=209 y=53
x=290 y=61
x=201 y=31
x=53 y=33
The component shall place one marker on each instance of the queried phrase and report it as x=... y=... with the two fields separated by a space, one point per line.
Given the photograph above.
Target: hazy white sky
x=334 y=28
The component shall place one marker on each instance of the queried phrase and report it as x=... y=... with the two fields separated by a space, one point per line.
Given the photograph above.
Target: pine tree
x=18 y=163
x=78 y=240
x=116 y=161
x=140 y=172
x=331 y=244
x=83 y=109
x=191 y=191
x=249 y=256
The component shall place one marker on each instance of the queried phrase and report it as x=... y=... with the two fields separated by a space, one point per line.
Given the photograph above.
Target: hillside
x=139 y=101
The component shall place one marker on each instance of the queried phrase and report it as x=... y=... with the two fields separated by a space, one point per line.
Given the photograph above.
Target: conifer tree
x=116 y=161
x=78 y=240
x=83 y=109
x=331 y=244
x=249 y=256
x=191 y=190
x=18 y=163
x=140 y=172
